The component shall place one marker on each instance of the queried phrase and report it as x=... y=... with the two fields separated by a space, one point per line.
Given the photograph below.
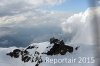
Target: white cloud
x=24 y=16
x=19 y=6
x=72 y=23
x=42 y=2
x=35 y=26
x=30 y=19
x=11 y=19
x=43 y=24
x=53 y=2
x=81 y=24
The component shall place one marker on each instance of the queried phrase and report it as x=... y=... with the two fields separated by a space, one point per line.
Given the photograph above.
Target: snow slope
x=83 y=51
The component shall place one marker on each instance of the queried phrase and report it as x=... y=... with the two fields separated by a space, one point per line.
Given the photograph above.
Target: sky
x=26 y=21
x=71 y=6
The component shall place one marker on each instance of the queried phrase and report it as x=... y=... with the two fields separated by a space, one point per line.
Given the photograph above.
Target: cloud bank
x=80 y=26
x=13 y=7
x=23 y=22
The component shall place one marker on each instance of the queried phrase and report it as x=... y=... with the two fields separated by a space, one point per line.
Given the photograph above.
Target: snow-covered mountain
x=32 y=55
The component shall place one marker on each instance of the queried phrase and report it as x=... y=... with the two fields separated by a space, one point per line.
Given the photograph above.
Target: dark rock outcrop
x=59 y=47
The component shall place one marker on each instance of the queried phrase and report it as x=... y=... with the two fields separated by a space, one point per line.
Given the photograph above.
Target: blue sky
x=70 y=6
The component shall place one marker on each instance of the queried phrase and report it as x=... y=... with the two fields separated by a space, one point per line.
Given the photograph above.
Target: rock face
x=59 y=47
x=31 y=54
x=26 y=56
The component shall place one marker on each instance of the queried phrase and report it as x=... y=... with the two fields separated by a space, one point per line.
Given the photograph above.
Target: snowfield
x=85 y=51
